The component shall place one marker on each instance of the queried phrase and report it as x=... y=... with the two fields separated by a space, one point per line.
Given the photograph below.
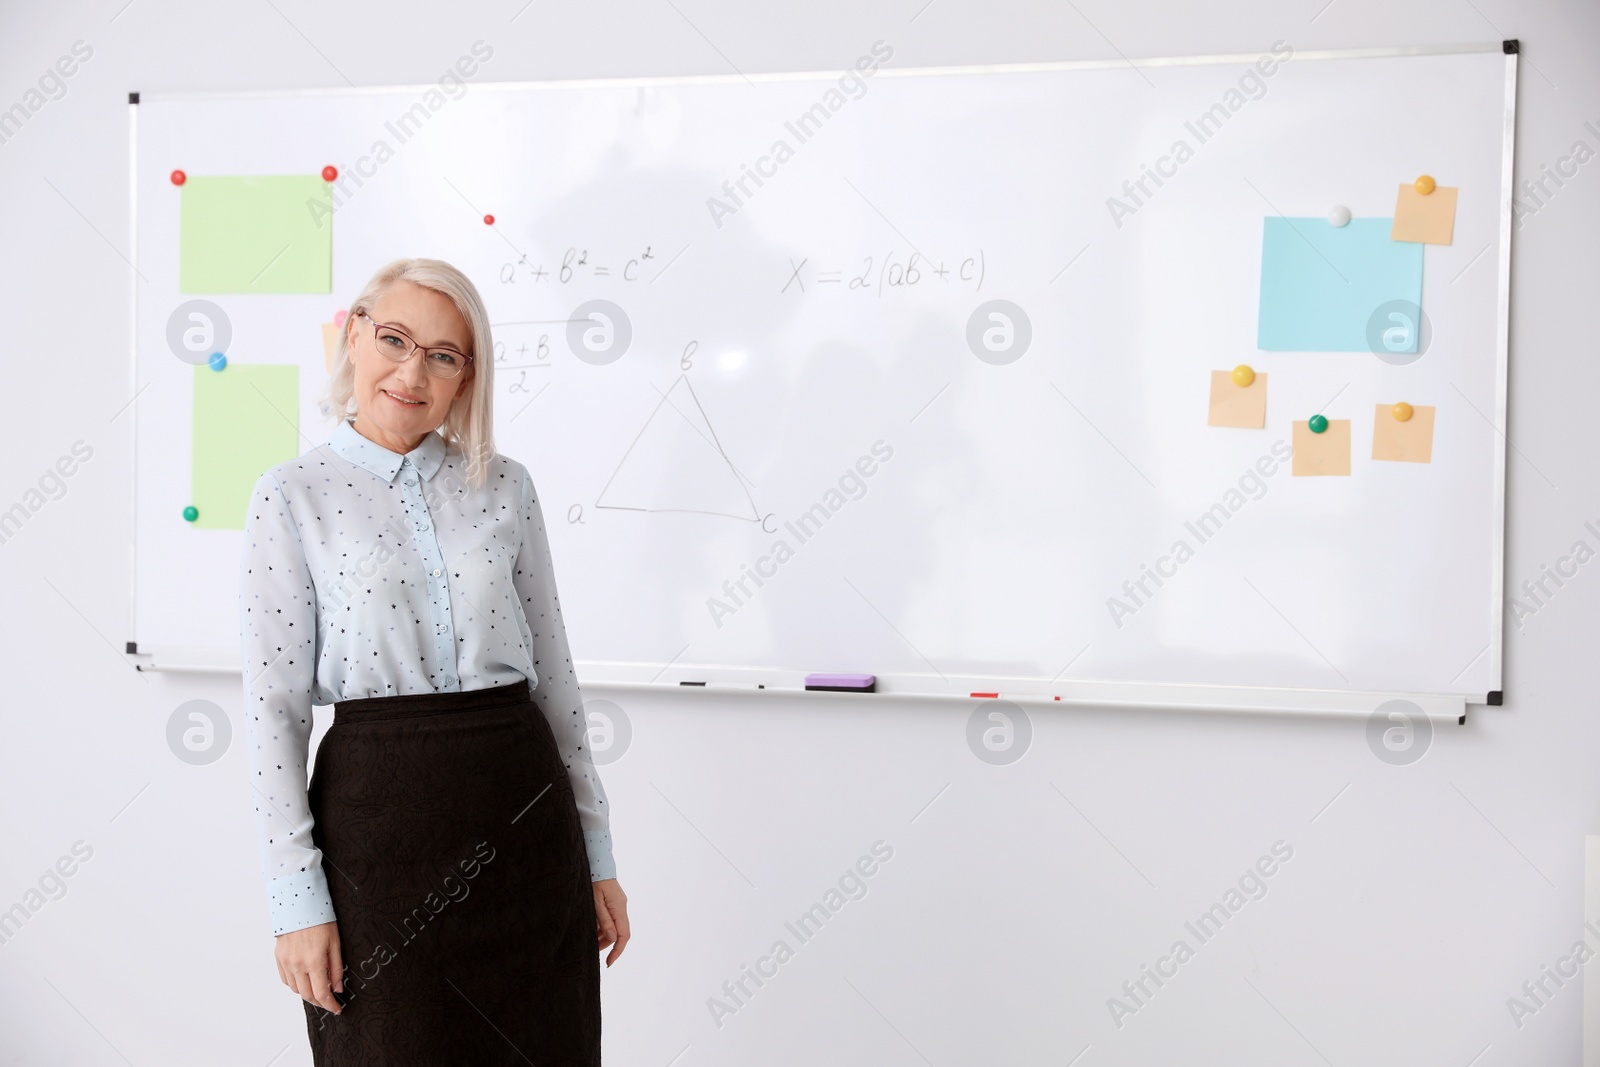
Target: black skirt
x=456 y=863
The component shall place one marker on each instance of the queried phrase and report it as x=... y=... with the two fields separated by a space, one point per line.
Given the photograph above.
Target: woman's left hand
x=611 y=916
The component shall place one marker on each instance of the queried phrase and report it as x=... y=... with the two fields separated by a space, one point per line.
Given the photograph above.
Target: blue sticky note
x=1327 y=288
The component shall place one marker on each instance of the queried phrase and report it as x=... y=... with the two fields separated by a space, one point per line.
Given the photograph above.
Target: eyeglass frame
x=415 y=347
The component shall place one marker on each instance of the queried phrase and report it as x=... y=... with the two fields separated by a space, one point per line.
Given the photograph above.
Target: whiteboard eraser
x=842 y=683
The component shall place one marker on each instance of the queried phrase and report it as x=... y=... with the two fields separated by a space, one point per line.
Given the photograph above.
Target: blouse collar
x=348 y=442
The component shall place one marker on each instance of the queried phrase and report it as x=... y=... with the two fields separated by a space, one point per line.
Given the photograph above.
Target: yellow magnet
x=1402 y=411
x=1424 y=184
x=1243 y=375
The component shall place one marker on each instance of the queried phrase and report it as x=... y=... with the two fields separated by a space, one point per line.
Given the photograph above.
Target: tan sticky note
x=1237 y=405
x=330 y=340
x=1327 y=452
x=1410 y=441
x=1430 y=220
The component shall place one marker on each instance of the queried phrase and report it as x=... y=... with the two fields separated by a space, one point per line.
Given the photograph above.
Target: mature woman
x=440 y=890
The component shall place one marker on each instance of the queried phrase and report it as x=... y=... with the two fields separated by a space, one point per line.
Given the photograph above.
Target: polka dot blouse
x=367 y=573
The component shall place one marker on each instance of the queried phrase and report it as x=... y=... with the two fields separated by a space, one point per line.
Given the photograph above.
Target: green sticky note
x=1327 y=288
x=255 y=234
x=246 y=419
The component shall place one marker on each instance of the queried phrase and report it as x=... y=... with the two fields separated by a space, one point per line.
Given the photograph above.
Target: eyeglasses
x=397 y=346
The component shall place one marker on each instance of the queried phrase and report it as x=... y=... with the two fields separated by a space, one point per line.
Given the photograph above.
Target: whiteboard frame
x=133 y=372
x=828 y=75
x=1176 y=696
x=1508 y=191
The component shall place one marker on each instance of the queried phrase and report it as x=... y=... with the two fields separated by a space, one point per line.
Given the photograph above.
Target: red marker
x=329 y=173
x=488 y=220
x=179 y=177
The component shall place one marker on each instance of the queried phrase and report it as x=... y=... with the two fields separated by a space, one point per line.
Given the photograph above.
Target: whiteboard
x=773 y=347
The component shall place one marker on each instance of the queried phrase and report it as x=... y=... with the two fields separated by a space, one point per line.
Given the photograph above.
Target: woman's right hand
x=309 y=963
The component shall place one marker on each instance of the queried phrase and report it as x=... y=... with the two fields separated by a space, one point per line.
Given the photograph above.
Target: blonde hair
x=470 y=424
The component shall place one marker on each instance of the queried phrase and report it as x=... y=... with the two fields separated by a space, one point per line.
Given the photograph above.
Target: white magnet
x=1339 y=215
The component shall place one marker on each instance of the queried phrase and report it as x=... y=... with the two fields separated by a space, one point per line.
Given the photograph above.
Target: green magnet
x=191 y=513
x=1317 y=423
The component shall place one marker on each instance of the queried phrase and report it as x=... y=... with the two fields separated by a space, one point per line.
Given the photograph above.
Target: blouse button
x=437 y=572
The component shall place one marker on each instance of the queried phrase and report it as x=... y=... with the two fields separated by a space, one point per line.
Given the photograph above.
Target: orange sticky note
x=1236 y=405
x=330 y=339
x=1410 y=441
x=1327 y=452
x=1429 y=220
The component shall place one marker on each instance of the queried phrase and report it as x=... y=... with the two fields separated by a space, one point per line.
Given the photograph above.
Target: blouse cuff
x=299 y=900
x=601 y=863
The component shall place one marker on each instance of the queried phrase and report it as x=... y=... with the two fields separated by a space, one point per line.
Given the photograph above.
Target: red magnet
x=488 y=220
x=179 y=177
x=329 y=173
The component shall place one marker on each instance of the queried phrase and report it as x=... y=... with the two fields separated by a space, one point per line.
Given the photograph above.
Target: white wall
x=1414 y=906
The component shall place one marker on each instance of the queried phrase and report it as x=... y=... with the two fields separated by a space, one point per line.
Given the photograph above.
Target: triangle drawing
x=676 y=463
